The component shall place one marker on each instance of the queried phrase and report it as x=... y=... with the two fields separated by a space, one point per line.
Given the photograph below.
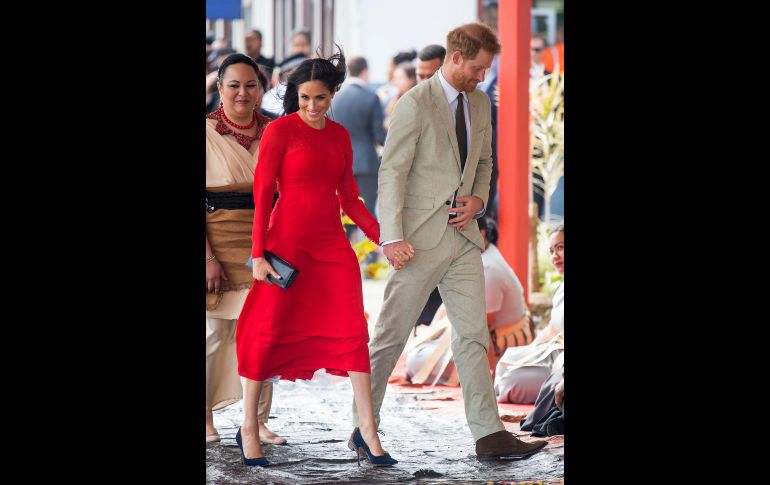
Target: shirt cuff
x=384 y=243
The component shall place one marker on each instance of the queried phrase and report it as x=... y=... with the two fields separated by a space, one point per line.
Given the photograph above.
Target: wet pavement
x=424 y=428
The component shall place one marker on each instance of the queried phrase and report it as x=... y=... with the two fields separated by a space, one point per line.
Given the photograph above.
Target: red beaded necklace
x=244 y=140
x=236 y=125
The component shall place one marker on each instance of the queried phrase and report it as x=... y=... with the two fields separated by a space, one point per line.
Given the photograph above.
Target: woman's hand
x=214 y=276
x=261 y=268
x=398 y=253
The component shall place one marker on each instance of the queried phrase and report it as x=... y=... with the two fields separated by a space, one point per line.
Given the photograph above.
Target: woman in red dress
x=319 y=321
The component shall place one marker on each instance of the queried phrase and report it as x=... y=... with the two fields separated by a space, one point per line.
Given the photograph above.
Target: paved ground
x=424 y=428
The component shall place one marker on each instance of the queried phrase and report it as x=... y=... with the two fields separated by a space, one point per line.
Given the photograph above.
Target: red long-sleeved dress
x=319 y=322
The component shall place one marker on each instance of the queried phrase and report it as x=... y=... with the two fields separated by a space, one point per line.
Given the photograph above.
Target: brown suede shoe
x=505 y=445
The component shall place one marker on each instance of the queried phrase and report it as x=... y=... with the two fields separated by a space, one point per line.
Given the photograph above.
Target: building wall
x=375 y=29
x=378 y=29
x=261 y=14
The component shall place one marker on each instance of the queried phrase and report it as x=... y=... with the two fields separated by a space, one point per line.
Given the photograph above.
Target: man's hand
x=472 y=205
x=398 y=253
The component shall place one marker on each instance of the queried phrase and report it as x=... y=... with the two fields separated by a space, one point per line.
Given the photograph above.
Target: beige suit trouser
x=223 y=385
x=455 y=267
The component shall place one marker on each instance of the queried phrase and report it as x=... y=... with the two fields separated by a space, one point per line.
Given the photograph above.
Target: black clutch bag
x=287 y=272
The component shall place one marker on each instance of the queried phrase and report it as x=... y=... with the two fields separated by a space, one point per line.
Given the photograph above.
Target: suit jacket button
x=447 y=202
x=461 y=184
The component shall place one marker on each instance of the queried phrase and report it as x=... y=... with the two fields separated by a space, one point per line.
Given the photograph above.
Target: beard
x=466 y=82
x=469 y=85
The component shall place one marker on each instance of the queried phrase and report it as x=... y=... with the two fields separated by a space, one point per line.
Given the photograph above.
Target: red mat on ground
x=450 y=398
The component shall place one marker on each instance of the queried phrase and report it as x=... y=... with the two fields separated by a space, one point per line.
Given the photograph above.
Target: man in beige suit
x=437 y=161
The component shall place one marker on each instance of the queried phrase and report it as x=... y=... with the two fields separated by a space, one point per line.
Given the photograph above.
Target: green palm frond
x=546 y=109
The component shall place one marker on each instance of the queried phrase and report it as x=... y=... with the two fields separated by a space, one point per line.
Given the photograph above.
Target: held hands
x=214 y=276
x=471 y=205
x=398 y=253
x=261 y=268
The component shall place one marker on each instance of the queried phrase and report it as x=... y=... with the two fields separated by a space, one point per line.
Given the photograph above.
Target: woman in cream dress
x=233 y=133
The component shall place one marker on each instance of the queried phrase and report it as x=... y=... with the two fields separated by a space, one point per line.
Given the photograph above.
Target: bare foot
x=372 y=440
x=267 y=436
x=251 y=446
x=211 y=430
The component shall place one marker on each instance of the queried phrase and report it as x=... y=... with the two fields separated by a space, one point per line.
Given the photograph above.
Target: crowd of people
x=289 y=145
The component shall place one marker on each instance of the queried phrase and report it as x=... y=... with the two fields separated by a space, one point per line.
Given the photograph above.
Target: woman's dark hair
x=409 y=70
x=263 y=76
x=242 y=59
x=329 y=71
x=404 y=56
x=489 y=225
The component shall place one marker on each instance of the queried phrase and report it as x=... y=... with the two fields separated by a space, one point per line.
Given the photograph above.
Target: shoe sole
x=511 y=456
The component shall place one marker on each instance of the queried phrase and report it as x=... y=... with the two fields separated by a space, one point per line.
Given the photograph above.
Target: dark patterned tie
x=462 y=134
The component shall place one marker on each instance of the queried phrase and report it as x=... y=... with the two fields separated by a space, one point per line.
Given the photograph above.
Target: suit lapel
x=442 y=107
x=473 y=101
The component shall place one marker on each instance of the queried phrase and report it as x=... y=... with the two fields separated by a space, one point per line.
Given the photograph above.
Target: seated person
x=547 y=419
x=521 y=371
x=430 y=360
x=507 y=315
x=430 y=309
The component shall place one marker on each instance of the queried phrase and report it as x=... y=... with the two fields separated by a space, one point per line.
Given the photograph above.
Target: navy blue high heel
x=359 y=444
x=249 y=461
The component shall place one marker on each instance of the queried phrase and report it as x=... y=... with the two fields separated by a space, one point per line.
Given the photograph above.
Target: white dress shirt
x=451 y=97
x=272 y=101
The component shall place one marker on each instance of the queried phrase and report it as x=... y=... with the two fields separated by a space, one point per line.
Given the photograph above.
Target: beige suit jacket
x=420 y=169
